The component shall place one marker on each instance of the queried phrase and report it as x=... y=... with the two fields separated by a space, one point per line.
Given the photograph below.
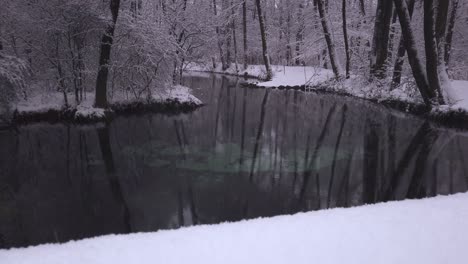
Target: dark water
x=248 y=153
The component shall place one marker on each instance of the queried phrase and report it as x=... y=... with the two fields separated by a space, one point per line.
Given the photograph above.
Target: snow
x=424 y=231
x=86 y=110
x=255 y=71
x=459 y=95
x=282 y=75
x=40 y=103
x=297 y=76
x=455 y=91
x=44 y=102
x=179 y=93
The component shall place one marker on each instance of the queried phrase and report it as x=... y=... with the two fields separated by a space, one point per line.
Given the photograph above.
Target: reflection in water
x=248 y=153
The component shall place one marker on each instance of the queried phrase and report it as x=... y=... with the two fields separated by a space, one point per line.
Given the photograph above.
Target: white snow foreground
x=42 y=103
x=424 y=231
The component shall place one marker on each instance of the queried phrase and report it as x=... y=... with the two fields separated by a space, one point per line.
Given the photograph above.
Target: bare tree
x=244 y=30
x=417 y=68
x=379 y=51
x=104 y=57
x=234 y=38
x=440 y=36
x=219 y=38
x=451 y=26
x=331 y=46
x=345 y=36
x=266 y=58
x=400 y=58
x=431 y=49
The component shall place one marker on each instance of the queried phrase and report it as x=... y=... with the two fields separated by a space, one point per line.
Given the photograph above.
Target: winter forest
x=240 y=126
x=101 y=47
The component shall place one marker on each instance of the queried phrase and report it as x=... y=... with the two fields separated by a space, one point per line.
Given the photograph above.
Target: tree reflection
x=313 y=160
x=116 y=188
x=259 y=133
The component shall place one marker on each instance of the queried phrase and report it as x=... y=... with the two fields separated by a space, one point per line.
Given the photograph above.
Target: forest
x=134 y=47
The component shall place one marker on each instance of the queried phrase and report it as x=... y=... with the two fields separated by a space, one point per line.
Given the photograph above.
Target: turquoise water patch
x=229 y=158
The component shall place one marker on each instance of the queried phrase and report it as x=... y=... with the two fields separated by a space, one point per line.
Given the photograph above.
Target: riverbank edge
x=449 y=118
x=69 y=114
x=446 y=117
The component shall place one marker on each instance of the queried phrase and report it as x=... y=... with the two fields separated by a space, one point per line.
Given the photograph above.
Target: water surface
x=247 y=153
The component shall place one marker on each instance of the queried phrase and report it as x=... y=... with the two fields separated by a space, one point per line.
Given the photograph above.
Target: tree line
x=132 y=46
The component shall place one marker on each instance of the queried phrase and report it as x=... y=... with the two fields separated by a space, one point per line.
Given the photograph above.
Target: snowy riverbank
x=403 y=97
x=52 y=107
x=425 y=231
x=282 y=75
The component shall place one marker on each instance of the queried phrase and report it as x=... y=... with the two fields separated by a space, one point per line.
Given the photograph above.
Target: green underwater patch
x=229 y=158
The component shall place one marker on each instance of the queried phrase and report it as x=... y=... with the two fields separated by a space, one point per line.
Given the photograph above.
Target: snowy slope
x=426 y=231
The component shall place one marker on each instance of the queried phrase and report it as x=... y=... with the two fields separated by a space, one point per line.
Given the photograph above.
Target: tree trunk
x=362 y=7
x=220 y=43
x=299 y=33
x=431 y=49
x=266 y=59
x=234 y=38
x=448 y=38
x=400 y=59
x=227 y=35
x=61 y=77
x=345 y=36
x=244 y=29
x=331 y=47
x=391 y=39
x=288 y=35
x=417 y=68
x=104 y=57
x=440 y=31
x=379 y=52
x=281 y=31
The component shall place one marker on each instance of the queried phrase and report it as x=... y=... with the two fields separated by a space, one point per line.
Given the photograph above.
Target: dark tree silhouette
x=104 y=57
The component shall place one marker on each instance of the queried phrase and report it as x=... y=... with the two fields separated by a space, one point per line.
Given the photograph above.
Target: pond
x=248 y=153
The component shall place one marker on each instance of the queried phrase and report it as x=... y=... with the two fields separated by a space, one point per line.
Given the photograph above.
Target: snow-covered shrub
x=13 y=74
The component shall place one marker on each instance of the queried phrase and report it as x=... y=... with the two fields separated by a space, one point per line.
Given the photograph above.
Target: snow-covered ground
x=282 y=75
x=424 y=231
x=358 y=86
x=44 y=102
x=297 y=76
x=459 y=92
x=255 y=71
